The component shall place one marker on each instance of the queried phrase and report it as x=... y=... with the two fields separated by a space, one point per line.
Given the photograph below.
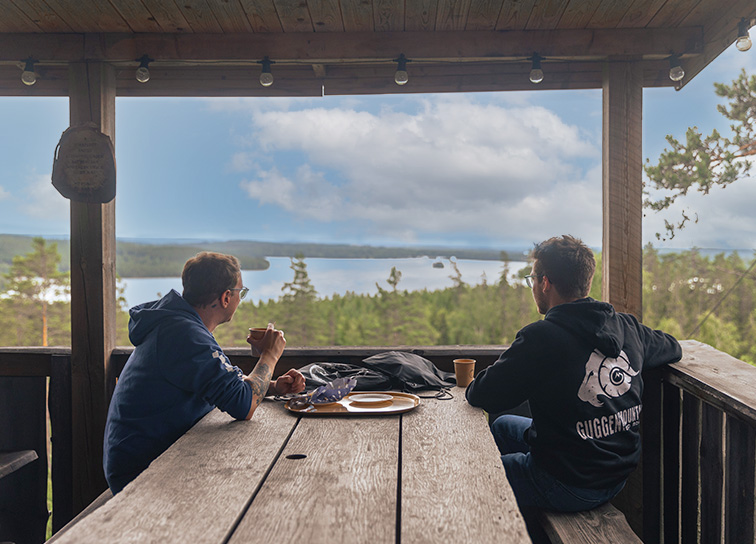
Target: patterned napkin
x=331 y=392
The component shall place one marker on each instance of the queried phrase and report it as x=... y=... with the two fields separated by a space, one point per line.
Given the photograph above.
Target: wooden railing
x=699 y=449
x=699 y=432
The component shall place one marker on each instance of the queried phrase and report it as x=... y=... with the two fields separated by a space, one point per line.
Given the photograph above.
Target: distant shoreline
x=164 y=258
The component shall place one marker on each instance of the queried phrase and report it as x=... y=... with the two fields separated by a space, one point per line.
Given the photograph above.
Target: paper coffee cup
x=464 y=370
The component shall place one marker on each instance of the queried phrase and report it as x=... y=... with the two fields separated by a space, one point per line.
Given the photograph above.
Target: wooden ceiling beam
x=302 y=80
x=329 y=48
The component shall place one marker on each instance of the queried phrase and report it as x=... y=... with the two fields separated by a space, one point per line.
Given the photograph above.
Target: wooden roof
x=212 y=47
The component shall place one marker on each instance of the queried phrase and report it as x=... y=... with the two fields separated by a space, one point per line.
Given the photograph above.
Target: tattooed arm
x=271 y=347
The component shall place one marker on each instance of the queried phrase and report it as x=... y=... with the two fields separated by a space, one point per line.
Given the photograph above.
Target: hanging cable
x=730 y=290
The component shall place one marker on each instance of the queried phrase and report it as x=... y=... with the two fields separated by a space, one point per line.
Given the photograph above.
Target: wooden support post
x=93 y=300
x=622 y=205
x=622 y=186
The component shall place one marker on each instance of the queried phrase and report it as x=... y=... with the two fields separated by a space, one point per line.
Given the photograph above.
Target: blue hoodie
x=175 y=376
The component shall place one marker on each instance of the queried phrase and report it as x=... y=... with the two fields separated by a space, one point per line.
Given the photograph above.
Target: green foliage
x=33 y=285
x=680 y=290
x=148 y=260
x=167 y=260
x=704 y=162
x=34 y=300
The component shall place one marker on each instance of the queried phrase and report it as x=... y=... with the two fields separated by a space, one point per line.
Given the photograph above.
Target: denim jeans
x=534 y=488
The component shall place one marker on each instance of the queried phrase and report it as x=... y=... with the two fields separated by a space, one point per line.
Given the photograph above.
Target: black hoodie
x=580 y=369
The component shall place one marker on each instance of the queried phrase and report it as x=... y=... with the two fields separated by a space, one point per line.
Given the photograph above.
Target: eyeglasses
x=529 y=278
x=242 y=291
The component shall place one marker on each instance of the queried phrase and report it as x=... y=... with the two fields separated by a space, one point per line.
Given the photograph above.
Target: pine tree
x=33 y=283
x=300 y=288
x=702 y=163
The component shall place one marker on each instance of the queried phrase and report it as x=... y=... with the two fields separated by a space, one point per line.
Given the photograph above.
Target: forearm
x=260 y=380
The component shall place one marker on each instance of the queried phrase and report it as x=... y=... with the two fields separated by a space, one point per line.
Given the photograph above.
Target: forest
x=690 y=295
x=146 y=259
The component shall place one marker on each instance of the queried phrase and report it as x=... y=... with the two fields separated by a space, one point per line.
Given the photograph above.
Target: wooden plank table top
x=429 y=475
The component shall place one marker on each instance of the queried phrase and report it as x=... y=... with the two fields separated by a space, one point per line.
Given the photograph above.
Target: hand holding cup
x=267 y=339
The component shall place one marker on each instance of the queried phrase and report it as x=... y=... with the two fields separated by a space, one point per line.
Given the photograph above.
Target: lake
x=337 y=276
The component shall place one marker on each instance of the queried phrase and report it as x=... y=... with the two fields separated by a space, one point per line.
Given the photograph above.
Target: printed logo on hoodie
x=228 y=367
x=606 y=376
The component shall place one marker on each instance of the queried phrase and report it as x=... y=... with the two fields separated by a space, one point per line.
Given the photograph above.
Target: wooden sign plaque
x=84 y=165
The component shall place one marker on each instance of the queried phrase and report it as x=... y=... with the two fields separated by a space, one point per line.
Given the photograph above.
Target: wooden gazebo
x=89 y=50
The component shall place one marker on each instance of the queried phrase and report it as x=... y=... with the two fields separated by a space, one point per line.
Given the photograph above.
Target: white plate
x=370 y=398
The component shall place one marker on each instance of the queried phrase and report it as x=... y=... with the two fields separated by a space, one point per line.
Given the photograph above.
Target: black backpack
x=391 y=370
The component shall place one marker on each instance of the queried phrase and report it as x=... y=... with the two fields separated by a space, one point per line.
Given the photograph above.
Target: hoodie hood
x=145 y=317
x=593 y=321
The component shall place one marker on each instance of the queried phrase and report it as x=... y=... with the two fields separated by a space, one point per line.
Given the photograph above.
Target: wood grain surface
x=454 y=488
x=344 y=490
x=429 y=475
x=197 y=488
x=13 y=460
x=716 y=378
x=598 y=526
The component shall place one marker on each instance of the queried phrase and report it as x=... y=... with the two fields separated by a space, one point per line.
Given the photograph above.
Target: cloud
x=452 y=166
x=3 y=193
x=725 y=218
x=42 y=201
x=242 y=162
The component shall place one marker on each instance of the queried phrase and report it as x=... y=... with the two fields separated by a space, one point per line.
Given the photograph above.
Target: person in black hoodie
x=580 y=369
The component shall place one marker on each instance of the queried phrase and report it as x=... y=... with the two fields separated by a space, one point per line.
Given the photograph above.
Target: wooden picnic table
x=430 y=475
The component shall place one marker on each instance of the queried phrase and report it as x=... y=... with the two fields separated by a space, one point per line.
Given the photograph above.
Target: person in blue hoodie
x=580 y=369
x=178 y=372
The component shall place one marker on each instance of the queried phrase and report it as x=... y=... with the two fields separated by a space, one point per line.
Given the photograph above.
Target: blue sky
x=481 y=169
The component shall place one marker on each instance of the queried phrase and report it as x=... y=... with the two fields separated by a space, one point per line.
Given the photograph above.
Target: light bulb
x=143 y=74
x=536 y=73
x=28 y=77
x=676 y=73
x=266 y=79
x=743 y=43
x=400 y=76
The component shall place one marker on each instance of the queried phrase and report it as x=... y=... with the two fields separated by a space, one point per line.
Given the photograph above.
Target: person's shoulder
x=537 y=333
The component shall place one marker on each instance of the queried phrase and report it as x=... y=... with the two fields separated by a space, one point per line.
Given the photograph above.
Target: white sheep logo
x=606 y=376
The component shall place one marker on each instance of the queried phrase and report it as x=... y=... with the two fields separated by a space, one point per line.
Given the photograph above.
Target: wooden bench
x=600 y=525
x=11 y=461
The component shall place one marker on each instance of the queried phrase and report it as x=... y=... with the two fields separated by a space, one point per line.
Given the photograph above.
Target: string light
x=28 y=77
x=536 y=74
x=266 y=77
x=676 y=73
x=743 y=42
x=143 y=72
x=400 y=76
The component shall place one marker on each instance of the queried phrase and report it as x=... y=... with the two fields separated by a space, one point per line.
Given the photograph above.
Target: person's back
x=178 y=372
x=580 y=369
x=583 y=386
x=166 y=386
